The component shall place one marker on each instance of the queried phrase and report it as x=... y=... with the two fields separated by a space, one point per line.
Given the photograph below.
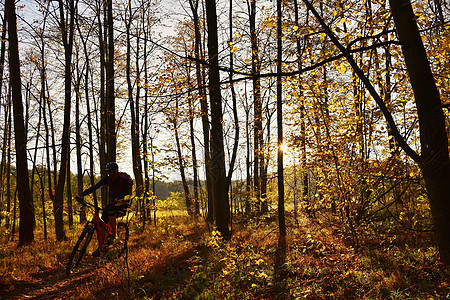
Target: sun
x=283 y=147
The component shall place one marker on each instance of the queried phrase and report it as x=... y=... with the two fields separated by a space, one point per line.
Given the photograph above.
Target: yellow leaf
x=343 y=68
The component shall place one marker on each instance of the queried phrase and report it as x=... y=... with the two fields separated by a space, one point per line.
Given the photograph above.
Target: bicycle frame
x=101 y=225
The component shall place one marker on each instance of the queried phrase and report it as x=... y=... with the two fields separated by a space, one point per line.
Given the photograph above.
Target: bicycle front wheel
x=79 y=249
x=121 y=243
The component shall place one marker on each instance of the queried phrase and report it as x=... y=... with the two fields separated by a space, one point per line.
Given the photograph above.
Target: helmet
x=112 y=166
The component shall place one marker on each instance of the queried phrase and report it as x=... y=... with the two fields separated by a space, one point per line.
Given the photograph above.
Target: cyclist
x=119 y=187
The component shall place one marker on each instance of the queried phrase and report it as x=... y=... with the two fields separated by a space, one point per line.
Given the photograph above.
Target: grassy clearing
x=180 y=259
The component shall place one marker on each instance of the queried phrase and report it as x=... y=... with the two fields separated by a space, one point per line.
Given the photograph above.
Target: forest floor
x=180 y=259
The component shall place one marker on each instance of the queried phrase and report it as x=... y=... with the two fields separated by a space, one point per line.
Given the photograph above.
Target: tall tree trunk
x=203 y=107
x=280 y=166
x=134 y=112
x=248 y=185
x=145 y=135
x=281 y=251
x=80 y=187
x=78 y=139
x=434 y=159
x=67 y=38
x=193 y=148
x=139 y=186
x=257 y=104
x=220 y=192
x=102 y=35
x=45 y=102
x=26 y=233
x=5 y=128
x=8 y=166
x=110 y=97
x=4 y=175
x=233 y=97
x=35 y=170
x=304 y=171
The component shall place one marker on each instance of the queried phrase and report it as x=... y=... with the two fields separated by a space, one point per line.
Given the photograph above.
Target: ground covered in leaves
x=181 y=259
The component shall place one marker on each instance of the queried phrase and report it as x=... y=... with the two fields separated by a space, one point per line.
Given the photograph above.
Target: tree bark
x=26 y=232
x=434 y=159
x=258 y=161
x=134 y=110
x=110 y=97
x=234 y=100
x=280 y=166
x=203 y=107
x=280 y=257
x=67 y=37
x=187 y=194
x=218 y=173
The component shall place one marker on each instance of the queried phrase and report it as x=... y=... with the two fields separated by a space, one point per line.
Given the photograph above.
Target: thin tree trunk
x=8 y=167
x=257 y=104
x=41 y=176
x=110 y=97
x=4 y=174
x=80 y=187
x=304 y=171
x=69 y=195
x=145 y=135
x=204 y=110
x=281 y=251
x=5 y=128
x=59 y=191
x=187 y=194
x=193 y=148
x=78 y=140
x=134 y=112
x=233 y=97
x=102 y=36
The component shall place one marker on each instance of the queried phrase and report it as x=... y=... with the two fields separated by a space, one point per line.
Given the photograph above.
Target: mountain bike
x=113 y=249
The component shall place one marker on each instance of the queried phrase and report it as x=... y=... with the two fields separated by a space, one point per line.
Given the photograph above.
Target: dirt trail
x=51 y=284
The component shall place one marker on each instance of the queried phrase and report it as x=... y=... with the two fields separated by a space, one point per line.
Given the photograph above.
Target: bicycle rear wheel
x=80 y=248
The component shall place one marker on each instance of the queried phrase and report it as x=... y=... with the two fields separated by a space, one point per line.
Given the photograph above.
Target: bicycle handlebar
x=84 y=203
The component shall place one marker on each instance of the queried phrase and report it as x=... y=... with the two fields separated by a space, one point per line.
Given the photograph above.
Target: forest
x=294 y=149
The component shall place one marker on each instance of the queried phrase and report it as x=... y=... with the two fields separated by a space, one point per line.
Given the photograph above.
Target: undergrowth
x=180 y=259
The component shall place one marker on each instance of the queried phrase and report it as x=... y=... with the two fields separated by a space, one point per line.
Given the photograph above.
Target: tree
x=433 y=160
x=110 y=92
x=258 y=162
x=280 y=163
x=67 y=33
x=204 y=110
x=134 y=106
x=218 y=173
x=27 y=220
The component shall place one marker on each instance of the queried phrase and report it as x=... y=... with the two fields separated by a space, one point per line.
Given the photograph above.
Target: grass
x=180 y=259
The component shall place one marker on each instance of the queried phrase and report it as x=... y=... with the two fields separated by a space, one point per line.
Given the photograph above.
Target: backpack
x=130 y=180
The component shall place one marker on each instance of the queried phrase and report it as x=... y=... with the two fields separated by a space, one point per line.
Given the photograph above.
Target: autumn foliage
x=180 y=259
